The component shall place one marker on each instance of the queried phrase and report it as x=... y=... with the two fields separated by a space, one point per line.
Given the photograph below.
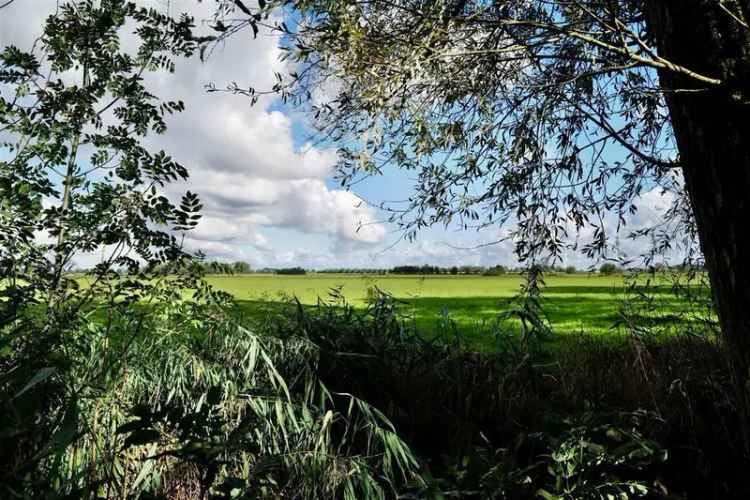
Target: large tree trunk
x=712 y=128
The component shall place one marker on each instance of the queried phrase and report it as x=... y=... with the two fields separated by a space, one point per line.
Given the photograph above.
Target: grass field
x=574 y=303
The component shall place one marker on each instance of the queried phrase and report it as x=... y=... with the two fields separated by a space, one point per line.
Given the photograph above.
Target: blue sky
x=269 y=196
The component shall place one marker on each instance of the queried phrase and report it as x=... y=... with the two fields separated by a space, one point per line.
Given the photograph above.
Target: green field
x=574 y=303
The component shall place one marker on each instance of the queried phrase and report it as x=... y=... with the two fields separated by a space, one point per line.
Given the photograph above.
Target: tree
x=291 y=271
x=85 y=360
x=241 y=267
x=73 y=115
x=608 y=269
x=498 y=270
x=548 y=114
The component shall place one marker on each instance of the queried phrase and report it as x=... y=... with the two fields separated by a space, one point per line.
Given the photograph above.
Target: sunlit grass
x=468 y=305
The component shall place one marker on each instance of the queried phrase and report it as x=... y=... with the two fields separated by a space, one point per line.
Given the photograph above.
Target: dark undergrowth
x=183 y=401
x=631 y=417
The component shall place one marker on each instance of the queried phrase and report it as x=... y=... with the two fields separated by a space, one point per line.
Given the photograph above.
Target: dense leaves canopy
x=75 y=179
x=75 y=176
x=549 y=114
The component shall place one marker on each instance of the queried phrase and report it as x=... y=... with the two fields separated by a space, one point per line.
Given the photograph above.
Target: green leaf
x=547 y=495
x=37 y=379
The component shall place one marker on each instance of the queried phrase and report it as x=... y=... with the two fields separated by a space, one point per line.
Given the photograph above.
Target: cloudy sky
x=268 y=194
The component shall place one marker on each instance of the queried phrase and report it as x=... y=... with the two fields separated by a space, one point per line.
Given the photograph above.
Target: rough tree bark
x=712 y=129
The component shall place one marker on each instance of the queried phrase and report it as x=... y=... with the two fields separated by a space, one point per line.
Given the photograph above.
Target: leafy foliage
x=76 y=180
x=645 y=416
x=589 y=461
x=608 y=268
x=297 y=271
x=131 y=380
x=208 y=405
x=544 y=115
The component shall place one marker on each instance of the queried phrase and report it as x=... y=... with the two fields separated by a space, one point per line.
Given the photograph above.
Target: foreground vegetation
x=124 y=382
x=208 y=408
x=597 y=418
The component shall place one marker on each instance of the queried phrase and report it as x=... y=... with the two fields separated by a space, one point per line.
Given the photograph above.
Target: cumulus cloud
x=244 y=160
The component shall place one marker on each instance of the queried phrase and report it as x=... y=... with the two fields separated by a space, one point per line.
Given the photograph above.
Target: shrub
x=84 y=182
x=495 y=271
x=291 y=271
x=608 y=269
x=206 y=404
x=597 y=416
x=132 y=381
x=570 y=270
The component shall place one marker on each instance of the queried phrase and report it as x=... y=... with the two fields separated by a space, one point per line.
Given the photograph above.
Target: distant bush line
x=290 y=270
x=244 y=268
x=239 y=267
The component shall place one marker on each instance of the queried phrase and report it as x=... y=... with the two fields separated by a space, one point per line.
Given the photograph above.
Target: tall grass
x=197 y=406
x=641 y=415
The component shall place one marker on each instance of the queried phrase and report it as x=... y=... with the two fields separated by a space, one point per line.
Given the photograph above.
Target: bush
x=596 y=417
x=215 y=405
x=495 y=271
x=608 y=269
x=291 y=271
x=132 y=381
x=571 y=270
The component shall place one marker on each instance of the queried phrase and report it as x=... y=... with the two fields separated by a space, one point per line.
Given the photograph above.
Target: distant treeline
x=606 y=268
x=290 y=270
x=423 y=270
x=214 y=267
x=354 y=270
x=427 y=269
x=239 y=267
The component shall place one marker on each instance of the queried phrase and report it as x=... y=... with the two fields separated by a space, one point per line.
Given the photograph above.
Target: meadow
x=466 y=304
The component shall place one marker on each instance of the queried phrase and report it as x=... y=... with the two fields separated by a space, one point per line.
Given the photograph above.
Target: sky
x=269 y=197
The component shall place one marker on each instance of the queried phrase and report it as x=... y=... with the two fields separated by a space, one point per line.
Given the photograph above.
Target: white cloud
x=243 y=159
